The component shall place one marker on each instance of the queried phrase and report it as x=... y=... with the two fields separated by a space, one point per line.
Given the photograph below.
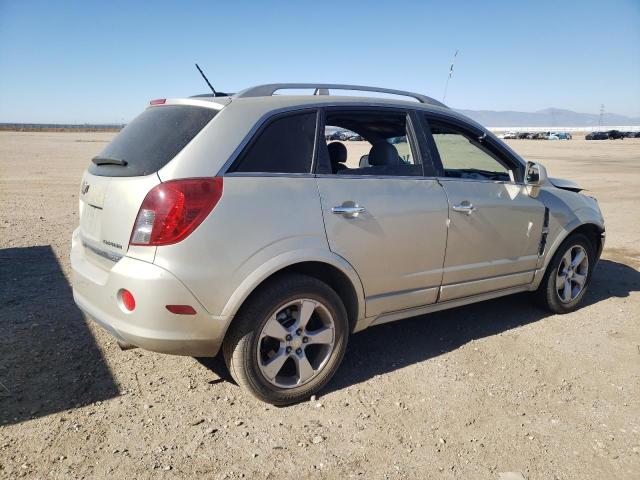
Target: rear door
x=383 y=215
x=495 y=226
x=119 y=177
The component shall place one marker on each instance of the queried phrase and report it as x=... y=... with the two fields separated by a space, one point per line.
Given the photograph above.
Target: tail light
x=172 y=210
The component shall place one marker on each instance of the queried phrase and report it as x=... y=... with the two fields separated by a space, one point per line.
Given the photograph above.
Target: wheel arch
x=327 y=267
x=593 y=231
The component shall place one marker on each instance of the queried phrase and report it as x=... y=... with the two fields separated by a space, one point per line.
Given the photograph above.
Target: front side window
x=374 y=142
x=464 y=155
x=285 y=145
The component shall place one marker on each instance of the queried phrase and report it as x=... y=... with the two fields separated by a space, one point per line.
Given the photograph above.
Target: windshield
x=151 y=140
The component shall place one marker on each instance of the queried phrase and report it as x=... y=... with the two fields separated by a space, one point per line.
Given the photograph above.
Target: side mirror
x=535 y=176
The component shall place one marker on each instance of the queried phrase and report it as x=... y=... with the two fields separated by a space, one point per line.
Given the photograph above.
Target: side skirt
x=414 y=312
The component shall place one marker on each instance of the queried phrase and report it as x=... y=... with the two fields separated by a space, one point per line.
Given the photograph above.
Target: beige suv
x=234 y=223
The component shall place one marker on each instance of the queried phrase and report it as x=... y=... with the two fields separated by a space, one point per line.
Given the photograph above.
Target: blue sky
x=101 y=61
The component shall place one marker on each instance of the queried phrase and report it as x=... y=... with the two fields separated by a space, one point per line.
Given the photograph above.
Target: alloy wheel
x=572 y=273
x=295 y=343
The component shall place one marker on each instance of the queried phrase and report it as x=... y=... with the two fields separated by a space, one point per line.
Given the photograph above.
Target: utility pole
x=601 y=115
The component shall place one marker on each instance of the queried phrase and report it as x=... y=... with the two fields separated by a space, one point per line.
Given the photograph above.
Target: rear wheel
x=288 y=339
x=568 y=275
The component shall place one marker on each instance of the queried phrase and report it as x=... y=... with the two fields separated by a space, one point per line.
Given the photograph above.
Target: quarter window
x=285 y=145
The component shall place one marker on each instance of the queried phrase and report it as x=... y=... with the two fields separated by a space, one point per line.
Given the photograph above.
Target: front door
x=495 y=226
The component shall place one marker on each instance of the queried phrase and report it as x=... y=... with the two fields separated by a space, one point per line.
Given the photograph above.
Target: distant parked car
x=615 y=135
x=560 y=136
x=631 y=134
x=354 y=137
x=523 y=135
x=553 y=136
x=510 y=136
x=597 y=136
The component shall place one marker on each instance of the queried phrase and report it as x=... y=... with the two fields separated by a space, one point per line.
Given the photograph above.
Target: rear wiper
x=99 y=160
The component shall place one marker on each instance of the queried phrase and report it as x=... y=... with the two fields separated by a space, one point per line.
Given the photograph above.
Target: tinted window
x=464 y=156
x=152 y=139
x=285 y=145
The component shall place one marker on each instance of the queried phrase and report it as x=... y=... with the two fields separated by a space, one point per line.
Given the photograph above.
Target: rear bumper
x=150 y=326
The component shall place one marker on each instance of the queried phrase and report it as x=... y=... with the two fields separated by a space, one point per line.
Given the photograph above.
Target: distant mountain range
x=549 y=117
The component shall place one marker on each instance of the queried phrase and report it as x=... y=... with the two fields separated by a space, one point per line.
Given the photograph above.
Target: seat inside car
x=338 y=156
x=383 y=160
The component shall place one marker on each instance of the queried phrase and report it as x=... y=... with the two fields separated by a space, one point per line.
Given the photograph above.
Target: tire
x=249 y=353
x=549 y=292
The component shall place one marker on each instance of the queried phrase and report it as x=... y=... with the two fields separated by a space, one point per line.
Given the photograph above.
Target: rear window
x=152 y=139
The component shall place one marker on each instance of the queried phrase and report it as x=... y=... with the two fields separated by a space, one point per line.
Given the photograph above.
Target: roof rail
x=323 y=89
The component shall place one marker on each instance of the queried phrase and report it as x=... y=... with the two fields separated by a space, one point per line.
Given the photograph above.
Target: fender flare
x=287 y=259
x=561 y=237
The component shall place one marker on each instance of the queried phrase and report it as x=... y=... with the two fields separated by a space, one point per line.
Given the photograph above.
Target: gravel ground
x=474 y=392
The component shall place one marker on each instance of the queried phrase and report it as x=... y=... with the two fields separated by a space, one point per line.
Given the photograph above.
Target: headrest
x=383 y=153
x=337 y=152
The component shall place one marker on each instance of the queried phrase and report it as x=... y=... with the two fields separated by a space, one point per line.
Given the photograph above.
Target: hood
x=565 y=184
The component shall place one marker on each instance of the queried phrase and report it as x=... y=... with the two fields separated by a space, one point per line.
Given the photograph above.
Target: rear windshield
x=152 y=139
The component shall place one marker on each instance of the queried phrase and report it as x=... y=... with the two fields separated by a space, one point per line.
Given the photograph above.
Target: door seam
x=446 y=239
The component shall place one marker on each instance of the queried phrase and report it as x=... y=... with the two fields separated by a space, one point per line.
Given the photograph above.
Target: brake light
x=158 y=101
x=172 y=210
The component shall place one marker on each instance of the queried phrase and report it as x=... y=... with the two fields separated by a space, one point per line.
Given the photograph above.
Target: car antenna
x=207 y=80
x=446 y=85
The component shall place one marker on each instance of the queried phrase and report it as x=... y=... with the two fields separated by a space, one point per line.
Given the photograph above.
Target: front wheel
x=288 y=339
x=568 y=275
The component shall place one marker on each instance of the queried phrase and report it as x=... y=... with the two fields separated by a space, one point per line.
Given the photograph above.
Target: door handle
x=464 y=207
x=348 y=210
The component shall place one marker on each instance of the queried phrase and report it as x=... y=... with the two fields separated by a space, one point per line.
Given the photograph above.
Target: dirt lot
x=470 y=393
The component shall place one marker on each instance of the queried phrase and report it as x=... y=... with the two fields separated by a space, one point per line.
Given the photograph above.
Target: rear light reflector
x=181 y=309
x=172 y=210
x=128 y=302
x=158 y=101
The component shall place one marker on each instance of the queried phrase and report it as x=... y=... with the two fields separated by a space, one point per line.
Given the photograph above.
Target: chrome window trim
x=415 y=177
x=456 y=179
x=322 y=175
